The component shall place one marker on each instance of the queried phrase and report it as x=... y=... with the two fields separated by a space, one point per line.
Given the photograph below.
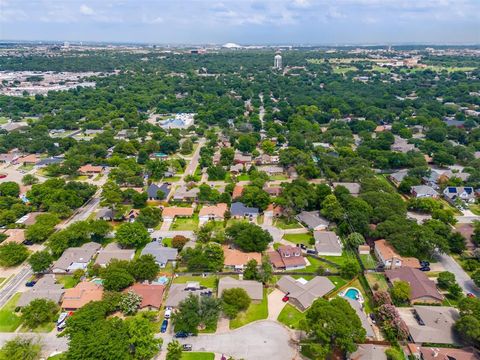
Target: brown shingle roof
x=236 y=257
x=217 y=210
x=177 y=211
x=420 y=285
x=152 y=294
x=89 y=168
x=81 y=295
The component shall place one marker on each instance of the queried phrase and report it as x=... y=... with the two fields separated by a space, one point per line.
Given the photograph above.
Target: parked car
x=285 y=298
x=168 y=312
x=164 y=326
x=470 y=295
x=311 y=251
x=187 y=347
x=303 y=246
x=181 y=334
x=425 y=268
x=28 y=242
x=150 y=230
x=30 y=283
x=424 y=263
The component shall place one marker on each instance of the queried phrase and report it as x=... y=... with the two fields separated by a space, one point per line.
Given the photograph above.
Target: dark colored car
x=28 y=242
x=425 y=268
x=310 y=251
x=164 y=326
x=303 y=246
x=424 y=263
x=181 y=334
x=30 y=283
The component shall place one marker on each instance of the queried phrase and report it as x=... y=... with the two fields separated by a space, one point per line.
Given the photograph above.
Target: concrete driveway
x=275 y=304
x=260 y=340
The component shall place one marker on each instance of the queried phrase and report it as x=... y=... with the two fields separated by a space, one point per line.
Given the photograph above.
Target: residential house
x=151 y=294
x=397 y=177
x=274 y=211
x=423 y=290
x=8 y=158
x=90 y=169
x=353 y=188
x=156 y=192
x=271 y=169
x=214 y=213
x=29 y=219
x=390 y=259
x=82 y=294
x=273 y=190
x=31 y=159
x=254 y=289
x=105 y=214
x=49 y=161
x=430 y=324
x=459 y=193
x=265 y=159
x=441 y=353
x=131 y=215
x=14 y=235
x=239 y=210
x=238 y=168
x=161 y=253
x=75 y=258
x=303 y=293
x=185 y=194
x=287 y=257
x=364 y=249
x=423 y=191
x=313 y=220
x=45 y=288
x=170 y=213
x=179 y=292
x=240 y=158
x=237 y=260
x=327 y=243
x=402 y=145
x=113 y=252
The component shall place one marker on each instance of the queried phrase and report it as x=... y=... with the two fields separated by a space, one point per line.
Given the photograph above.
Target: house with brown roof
x=287 y=257
x=151 y=294
x=81 y=295
x=273 y=190
x=237 y=192
x=423 y=290
x=390 y=259
x=213 y=213
x=237 y=260
x=90 y=169
x=240 y=158
x=30 y=159
x=274 y=211
x=14 y=235
x=440 y=353
x=170 y=213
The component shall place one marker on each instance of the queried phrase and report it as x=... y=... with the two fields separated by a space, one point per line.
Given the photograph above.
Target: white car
x=150 y=230
x=168 y=312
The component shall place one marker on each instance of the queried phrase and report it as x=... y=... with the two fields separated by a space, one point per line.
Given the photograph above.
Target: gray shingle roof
x=45 y=288
x=254 y=289
x=239 y=209
x=161 y=253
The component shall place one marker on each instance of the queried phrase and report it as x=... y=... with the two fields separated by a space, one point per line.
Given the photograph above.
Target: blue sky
x=243 y=21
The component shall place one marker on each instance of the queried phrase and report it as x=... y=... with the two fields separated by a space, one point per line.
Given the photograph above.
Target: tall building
x=277 y=62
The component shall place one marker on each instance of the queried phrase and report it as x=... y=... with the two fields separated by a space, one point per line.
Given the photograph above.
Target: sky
x=316 y=22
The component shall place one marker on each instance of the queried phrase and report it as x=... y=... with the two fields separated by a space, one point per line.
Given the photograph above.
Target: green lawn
x=68 y=281
x=197 y=356
x=172 y=179
x=338 y=281
x=475 y=208
x=368 y=305
x=339 y=260
x=279 y=177
x=305 y=238
x=243 y=177
x=368 y=261
x=209 y=281
x=377 y=278
x=185 y=223
x=256 y=311
x=9 y=320
x=57 y=357
x=167 y=242
x=291 y=316
x=283 y=223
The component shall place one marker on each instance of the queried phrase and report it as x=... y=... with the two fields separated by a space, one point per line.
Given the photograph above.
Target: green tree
x=248 y=237
x=251 y=270
x=226 y=156
x=144 y=268
x=455 y=291
x=12 y=254
x=132 y=235
x=468 y=325
x=141 y=338
x=39 y=312
x=10 y=188
x=116 y=275
x=40 y=261
x=235 y=300
x=394 y=354
x=445 y=280
x=476 y=278
x=349 y=269
x=149 y=216
x=187 y=147
x=29 y=179
x=130 y=303
x=21 y=348
x=179 y=241
x=354 y=240
x=400 y=292
x=174 y=350
x=333 y=324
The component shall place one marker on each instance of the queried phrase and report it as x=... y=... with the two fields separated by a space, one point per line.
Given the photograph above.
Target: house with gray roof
x=185 y=194
x=239 y=210
x=303 y=293
x=327 y=243
x=113 y=251
x=254 y=289
x=179 y=292
x=423 y=191
x=49 y=161
x=455 y=193
x=45 y=288
x=353 y=188
x=162 y=254
x=75 y=258
x=313 y=220
x=431 y=324
x=156 y=192
x=362 y=316
x=105 y=214
x=397 y=177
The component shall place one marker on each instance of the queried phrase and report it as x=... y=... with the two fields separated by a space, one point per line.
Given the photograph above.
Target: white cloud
x=86 y=10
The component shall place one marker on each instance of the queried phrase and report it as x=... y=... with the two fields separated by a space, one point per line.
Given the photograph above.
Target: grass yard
x=208 y=281
x=283 y=223
x=3 y=120
x=57 y=357
x=243 y=177
x=314 y=265
x=338 y=281
x=368 y=261
x=291 y=316
x=172 y=179
x=185 y=223
x=256 y=311
x=68 y=281
x=305 y=238
x=339 y=260
x=475 y=208
x=279 y=177
x=9 y=320
x=377 y=278
x=167 y=242
x=198 y=356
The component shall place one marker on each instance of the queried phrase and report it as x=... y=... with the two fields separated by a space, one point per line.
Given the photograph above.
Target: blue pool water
x=163 y=280
x=98 y=281
x=352 y=294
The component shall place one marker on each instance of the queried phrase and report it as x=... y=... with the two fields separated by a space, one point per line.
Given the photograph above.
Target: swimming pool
x=352 y=293
x=97 y=281
x=163 y=280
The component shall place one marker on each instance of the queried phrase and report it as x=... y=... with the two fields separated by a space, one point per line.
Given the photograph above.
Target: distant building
x=277 y=62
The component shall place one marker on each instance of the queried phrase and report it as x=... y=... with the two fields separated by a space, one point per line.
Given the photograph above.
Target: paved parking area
x=257 y=341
